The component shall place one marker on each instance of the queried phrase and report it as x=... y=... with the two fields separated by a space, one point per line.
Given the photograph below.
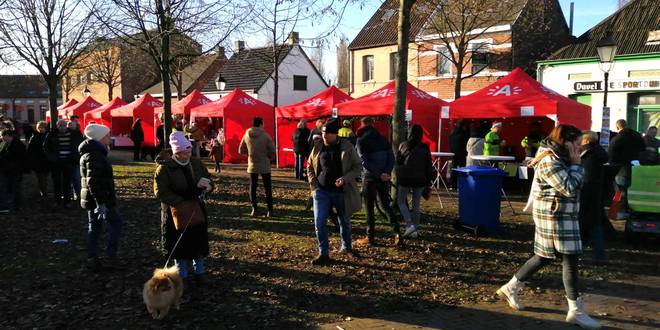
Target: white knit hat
x=96 y=132
x=497 y=124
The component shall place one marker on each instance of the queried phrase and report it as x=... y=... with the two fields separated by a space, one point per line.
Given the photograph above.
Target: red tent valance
x=194 y=99
x=101 y=115
x=79 y=109
x=146 y=103
x=519 y=95
x=319 y=105
x=67 y=104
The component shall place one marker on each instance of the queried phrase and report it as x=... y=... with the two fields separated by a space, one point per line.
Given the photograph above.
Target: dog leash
x=201 y=198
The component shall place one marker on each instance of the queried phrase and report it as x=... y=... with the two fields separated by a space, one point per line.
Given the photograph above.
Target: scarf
x=180 y=162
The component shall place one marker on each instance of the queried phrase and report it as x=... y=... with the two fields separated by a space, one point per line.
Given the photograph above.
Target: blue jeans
x=198 y=266
x=300 y=166
x=75 y=180
x=94 y=232
x=323 y=201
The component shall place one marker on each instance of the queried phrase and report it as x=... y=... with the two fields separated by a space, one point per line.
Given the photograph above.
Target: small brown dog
x=162 y=291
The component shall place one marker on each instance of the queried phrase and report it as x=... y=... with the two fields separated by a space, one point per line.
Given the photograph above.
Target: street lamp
x=220 y=83
x=606 y=48
x=87 y=92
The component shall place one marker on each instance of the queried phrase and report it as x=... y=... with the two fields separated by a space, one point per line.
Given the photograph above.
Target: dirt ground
x=259 y=269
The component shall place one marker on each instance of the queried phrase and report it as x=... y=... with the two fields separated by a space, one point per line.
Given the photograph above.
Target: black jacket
x=375 y=152
x=98 y=182
x=51 y=145
x=36 y=156
x=625 y=147
x=591 y=195
x=137 y=133
x=12 y=157
x=301 y=141
x=414 y=166
x=458 y=141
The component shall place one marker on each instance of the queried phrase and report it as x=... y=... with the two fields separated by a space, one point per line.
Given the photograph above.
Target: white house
x=252 y=70
x=634 y=78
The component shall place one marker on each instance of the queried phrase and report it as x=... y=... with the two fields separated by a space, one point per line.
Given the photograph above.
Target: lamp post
x=220 y=83
x=87 y=92
x=606 y=48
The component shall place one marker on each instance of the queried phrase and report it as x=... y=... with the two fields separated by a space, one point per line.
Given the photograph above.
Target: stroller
x=644 y=202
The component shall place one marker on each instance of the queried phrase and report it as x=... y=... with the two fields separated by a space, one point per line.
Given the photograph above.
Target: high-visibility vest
x=492 y=144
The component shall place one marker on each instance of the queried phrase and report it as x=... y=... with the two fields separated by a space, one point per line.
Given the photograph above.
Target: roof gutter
x=619 y=58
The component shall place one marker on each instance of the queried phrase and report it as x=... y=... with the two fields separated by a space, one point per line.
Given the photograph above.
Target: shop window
x=655 y=73
x=367 y=67
x=443 y=63
x=479 y=56
x=579 y=76
x=582 y=98
x=394 y=62
x=299 y=83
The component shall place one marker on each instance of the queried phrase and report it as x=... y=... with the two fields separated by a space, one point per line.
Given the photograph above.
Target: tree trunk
x=110 y=92
x=457 y=85
x=164 y=13
x=51 y=82
x=398 y=117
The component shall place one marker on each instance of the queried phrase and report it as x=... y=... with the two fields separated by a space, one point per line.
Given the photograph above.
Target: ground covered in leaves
x=259 y=270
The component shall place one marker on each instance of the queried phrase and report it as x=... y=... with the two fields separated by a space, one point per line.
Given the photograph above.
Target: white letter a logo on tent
x=506 y=89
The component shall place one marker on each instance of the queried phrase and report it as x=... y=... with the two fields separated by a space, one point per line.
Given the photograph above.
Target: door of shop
x=645 y=113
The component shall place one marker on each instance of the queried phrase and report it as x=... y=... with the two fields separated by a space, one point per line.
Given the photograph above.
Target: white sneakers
x=411 y=232
x=578 y=315
x=510 y=292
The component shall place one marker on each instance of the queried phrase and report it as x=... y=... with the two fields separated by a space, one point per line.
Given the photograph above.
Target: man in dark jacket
x=377 y=164
x=12 y=166
x=592 y=213
x=98 y=195
x=61 y=149
x=137 y=135
x=458 y=140
x=301 y=148
x=624 y=148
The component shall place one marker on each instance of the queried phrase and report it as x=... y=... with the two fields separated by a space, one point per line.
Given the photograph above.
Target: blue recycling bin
x=479 y=197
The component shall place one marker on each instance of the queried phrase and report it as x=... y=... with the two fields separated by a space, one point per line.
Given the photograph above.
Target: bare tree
x=152 y=25
x=102 y=61
x=343 y=74
x=317 y=57
x=46 y=34
x=68 y=84
x=401 y=79
x=455 y=27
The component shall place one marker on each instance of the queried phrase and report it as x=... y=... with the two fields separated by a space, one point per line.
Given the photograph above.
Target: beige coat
x=259 y=147
x=351 y=166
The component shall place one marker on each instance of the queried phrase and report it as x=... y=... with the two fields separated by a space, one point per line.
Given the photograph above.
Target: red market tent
x=518 y=100
x=236 y=110
x=61 y=110
x=79 y=109
x=424 y=109
x=287 y=117
x=519 y=95
x=101 y=115
x=183 y=107
x=67 y=104
x=123 y=118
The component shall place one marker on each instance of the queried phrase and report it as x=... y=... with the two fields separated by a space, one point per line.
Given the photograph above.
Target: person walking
x=179 y=181
x=625 y=147
x=37 y=159
x=317 y=131
x=301 y=148
x=12 y=167
x=333 y=168
x=592 y=213
x=98 y=196
x=377 y=164
x=414 y=174
x=555 y=192
x=137 y=135
x=76 y=139
x=492 y=141
x=215 y=154
x=258 y=146
x=346 y=132
x=59 y=148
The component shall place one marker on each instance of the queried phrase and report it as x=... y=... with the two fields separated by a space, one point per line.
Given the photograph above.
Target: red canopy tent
x=236 y=110
x=67 y=104
x=101 y=115
x=123 y=118
x=79 y=109
x=183 y=107
x=287 y=117
x=518 y=99
x=425 y=109
x=61 y=110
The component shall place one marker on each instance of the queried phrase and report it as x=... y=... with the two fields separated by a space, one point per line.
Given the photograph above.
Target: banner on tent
x=444 y=112
x=527 y=111
x=408 y=115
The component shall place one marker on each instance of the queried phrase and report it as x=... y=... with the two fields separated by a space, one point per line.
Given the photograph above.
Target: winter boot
x=577 y=315
x=510 y=292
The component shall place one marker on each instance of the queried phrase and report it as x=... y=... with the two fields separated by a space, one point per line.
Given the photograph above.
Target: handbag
x=187 y=213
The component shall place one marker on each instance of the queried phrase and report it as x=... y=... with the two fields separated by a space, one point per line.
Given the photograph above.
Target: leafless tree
x=401 y=77
x=153 y=25
x=455 y=25
x=46 y=34
x=68 y=84
x=343 y=74
x=102 y=61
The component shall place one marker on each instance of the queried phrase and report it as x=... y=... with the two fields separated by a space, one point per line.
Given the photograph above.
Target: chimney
x=570 y=19
x=239 y=45
x=220 y=52
x=293 y=39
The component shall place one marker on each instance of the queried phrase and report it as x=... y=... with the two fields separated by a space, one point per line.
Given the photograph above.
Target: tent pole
x=277 y=146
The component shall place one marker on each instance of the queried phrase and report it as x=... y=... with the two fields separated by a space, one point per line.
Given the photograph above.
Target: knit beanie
x=331 y=126
x=179 y=142
x=96 y=132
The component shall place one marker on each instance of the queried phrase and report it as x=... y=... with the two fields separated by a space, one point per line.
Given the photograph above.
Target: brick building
x=23 y=97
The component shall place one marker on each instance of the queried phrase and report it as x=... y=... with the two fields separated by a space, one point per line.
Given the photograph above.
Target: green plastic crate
x=644 y=191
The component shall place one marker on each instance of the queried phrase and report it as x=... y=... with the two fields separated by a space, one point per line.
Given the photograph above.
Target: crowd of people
x=346 y=172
